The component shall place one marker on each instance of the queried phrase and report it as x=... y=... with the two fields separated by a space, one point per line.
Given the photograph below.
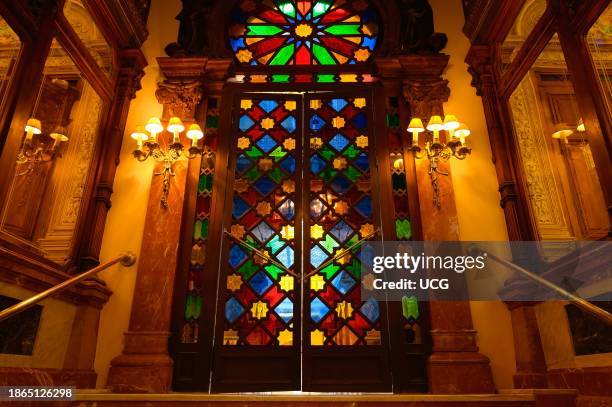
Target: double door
x=301 y=199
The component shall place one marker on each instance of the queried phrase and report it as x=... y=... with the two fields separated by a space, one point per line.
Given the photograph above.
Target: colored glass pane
x=304 y=32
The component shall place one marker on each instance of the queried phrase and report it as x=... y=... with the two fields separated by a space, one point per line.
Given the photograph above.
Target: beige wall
x=125 y=223
x=476 y=189
x=474 y=180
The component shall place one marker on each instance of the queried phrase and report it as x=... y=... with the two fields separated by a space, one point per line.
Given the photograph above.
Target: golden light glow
x=154 y=126
x=317 y=338
x=303 y=30
x=316 y=232
x=416 y=126
x=59 y=134
x=140 y=136
x=451 y=123
x=435 y=124
x=175 y=125
x=267 y=123
x=317 y=282
x=581 y=127
x=195 y=132
x=259 y=310
x=287 y=283
x=33 y=126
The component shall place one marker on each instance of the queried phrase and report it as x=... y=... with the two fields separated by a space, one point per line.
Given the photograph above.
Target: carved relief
x=180 y=98
x=545 y=197
x=426 y=97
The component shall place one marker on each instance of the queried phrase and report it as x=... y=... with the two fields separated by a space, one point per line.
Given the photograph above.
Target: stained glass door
x=291 y=315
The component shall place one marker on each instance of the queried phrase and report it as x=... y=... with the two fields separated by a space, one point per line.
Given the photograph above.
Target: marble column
x=145 y=365
x=455 y=366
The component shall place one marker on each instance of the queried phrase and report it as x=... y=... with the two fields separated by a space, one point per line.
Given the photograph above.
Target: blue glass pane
x=338 y=104
x=289 y=124
x=266 y=143
x=246 y=123
x=285 y=310
x=317 y=164
x=286 y=257
x=240 y=207
x=268 y=105
x=360 y=121
x=260 y=283
x=339 y=142
x=236 y=256
x=316 y=123
x=318 y=310
x=264 y=185
x=287 y=209
x=364 y=207
x=288 y=164
x=343 y=282
x=371 y=310
x=342 y=231
x=362 y=162
x=237 y=43
x=317 y=256
x=317 y=208
x=262 y=232
x=233 y=309
x=366 y=255
x=243 y=163
x=369 y=43
x=340 y=184
x=275 y=244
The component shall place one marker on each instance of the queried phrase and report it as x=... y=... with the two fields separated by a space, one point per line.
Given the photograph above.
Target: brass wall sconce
x=147 y=145
x=436 y=150
x=38 y=147
x=563 y=132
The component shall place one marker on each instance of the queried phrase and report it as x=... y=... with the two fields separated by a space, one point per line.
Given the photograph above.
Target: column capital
x=480 y=61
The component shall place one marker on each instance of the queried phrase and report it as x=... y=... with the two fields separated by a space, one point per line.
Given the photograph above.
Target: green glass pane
x=283 y=55
x=323 y=55
x=354 y=268
x=399 y=181
x=212 y=122
x=286 y=7
x=327 y=153
x=328 y=174
x=248 y=269
x=281 y=78
x=321 y=8
x=329 y=244
x=253 y=174
x=403 y=229
x=352 y=241
x=330 y=271
x=204 y=229
x=277 y=175
x=393 y=120
x=205 y=184
x=344 y=29
x=278 y=154
x=326 y=78
x=263 y=30
x=275 y=244
x=197 y=229
x=274 y=272
x=410 y=308
x=254 y=152
x=193 y=307
x=352 y=173
x=351 y=152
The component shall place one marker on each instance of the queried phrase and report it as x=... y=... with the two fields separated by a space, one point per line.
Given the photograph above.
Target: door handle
x=262 y=255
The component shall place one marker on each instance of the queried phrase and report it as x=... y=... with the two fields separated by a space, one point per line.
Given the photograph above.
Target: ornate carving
x=417 y=28
x=426 y=97
x=545 y=199
x=180 y=98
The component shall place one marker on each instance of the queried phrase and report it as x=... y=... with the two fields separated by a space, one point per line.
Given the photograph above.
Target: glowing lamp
x=32 y=127
x=451 y=124
x=194 y=134
x=436 y=125
x=58 y=135
x=415 y=127
x=140 y=136
x=581 y=127
x=462 y=132
x=154 y=127
x=175 y=126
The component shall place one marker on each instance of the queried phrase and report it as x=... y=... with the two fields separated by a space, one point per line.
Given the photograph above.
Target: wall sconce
x=563 y=131
x=436 y=150
x=37 y=147
x=147 y=145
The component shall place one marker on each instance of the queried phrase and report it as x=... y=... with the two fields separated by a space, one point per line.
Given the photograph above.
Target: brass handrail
x=580 y=302
x=126 y=259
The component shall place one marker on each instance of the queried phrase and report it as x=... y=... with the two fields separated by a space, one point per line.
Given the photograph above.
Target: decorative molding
x=180 y=98
x=426 y=97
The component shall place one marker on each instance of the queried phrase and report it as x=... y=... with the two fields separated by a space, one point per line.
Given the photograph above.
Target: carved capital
x=508 y=193
x=480 y=64
x=180 y=98
x=131 y=70
x=426 y=97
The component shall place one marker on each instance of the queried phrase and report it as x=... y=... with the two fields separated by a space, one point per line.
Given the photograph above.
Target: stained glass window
x=341 y=214
x=260 y=292
x=303 y=32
